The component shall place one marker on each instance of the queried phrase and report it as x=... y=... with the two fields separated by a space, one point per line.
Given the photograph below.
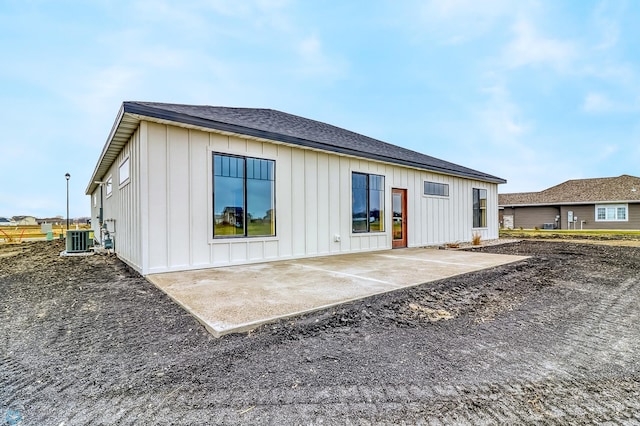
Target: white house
x=185 y=187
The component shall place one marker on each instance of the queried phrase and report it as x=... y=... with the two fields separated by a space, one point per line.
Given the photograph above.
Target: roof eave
x=106 y=150
x=161 y=114
x=124 y=126
x=567 y=203
x=132 y=112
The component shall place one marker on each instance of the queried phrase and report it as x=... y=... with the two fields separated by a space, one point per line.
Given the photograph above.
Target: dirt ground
x=554 y=339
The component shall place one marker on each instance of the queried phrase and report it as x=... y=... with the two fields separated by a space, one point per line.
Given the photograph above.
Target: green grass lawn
x=603 y=234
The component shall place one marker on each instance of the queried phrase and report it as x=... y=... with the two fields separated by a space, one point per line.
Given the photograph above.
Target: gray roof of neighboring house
x=624 y=188
x=272 y=125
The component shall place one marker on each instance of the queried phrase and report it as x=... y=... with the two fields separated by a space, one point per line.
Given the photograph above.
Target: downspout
x=100 y=217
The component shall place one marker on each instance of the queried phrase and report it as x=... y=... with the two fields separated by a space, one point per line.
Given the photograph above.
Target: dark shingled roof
x=277 y=126
x=624 y=188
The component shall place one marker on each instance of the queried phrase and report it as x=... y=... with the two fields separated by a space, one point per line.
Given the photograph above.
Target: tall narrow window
x=367 y=208
x=243 y=196
x=359 y=207
x=479 y=208
x=109 y=186
x=260 y=197
x=123 y=172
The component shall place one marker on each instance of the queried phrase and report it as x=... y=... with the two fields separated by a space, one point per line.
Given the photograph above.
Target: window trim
x=108 y=186
x=440 y=184
x=612 y=206
x=225 y=238
x=368 y=231
x=125 y=182
x=480 y=208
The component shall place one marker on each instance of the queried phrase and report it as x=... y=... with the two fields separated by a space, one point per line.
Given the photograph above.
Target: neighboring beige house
x=58 y=220
x=599 y=203
x=185 y=187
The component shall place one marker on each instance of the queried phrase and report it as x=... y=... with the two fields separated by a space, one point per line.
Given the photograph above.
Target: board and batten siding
x=122 y=208
x=165 y=214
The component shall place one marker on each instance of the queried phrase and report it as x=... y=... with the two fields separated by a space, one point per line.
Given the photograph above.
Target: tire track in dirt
x=606 y=336
x=478 y=404
x=105 y=347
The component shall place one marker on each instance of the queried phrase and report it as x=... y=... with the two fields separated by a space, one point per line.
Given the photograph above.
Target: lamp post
x=67 y=176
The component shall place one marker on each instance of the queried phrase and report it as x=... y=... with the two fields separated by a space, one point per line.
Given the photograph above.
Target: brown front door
x=399 y=216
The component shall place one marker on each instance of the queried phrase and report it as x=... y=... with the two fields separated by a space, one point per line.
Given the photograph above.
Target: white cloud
x=610 y=35
x=623 y=103
x=313 y=61
x=608 y=26
x=622 y=74
x=597 y=102
x=530 y=48
x=501 y=118
x=457 y=21
x=103 y=88
x=246 y=7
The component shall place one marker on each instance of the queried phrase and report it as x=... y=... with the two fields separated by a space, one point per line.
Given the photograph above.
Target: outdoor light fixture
x=67 y=176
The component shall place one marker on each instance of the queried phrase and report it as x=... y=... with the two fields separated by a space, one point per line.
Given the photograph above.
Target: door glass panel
x=397 y=216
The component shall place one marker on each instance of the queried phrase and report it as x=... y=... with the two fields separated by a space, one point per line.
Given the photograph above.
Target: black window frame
x=368 y=211
x=479 y=211
x=435 y=189
x=244 y=196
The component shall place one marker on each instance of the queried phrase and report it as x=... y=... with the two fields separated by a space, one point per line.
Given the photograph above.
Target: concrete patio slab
x=240 y=298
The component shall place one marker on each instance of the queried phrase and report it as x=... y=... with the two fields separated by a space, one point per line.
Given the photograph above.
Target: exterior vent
x=548 y=226
x=79 y=241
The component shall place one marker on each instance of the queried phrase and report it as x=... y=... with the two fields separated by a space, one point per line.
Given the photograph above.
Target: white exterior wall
x=313 y=203
x=164 y=215
x=122 y=208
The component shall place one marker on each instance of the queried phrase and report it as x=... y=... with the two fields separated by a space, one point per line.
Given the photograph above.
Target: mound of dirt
x=551 y=339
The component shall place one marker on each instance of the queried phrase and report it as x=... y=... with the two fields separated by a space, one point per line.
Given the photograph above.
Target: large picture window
x=367 y=214
x=479 y=208
x=243 y=196
x=611 y=213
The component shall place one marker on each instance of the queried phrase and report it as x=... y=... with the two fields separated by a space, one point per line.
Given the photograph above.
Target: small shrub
x=476 y=239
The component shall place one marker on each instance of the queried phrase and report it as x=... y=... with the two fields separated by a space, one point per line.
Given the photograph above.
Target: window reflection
x=367 y=203
x=244 y=196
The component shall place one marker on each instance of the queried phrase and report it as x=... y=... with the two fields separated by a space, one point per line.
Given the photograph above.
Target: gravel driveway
x=552 y=339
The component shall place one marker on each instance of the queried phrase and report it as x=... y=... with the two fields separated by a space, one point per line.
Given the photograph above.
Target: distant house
x=52 y=220
x=232 y=215
x=599 y=203
x=25 y=220
x=7 y=222
x=186 y=187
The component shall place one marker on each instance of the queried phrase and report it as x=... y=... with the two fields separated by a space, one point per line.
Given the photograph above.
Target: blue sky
x=536 y=92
